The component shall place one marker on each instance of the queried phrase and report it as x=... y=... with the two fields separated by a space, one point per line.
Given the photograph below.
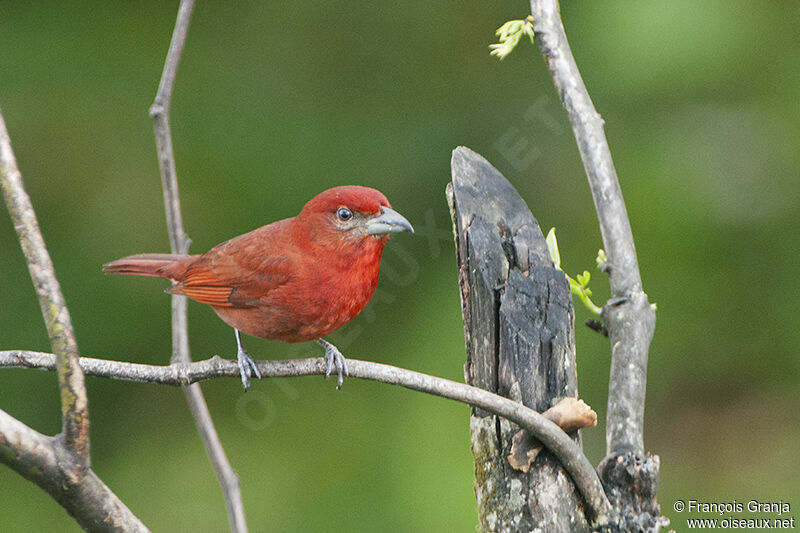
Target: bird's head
x=350 y=216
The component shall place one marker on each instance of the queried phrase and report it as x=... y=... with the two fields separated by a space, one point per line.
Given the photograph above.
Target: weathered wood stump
x=520 y=343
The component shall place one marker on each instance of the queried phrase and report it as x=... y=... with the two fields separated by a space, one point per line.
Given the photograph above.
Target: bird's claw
x=247 y=367
x=334 y=359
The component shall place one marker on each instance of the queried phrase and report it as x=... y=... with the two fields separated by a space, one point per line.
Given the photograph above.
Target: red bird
x=294 y=280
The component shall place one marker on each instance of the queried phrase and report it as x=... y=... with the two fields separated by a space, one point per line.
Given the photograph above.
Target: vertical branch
x=630 y=475
x=632 y=322
x=74 y=404
x=179 y=243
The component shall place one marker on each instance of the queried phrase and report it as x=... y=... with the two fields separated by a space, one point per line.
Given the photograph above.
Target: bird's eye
x=344 y=214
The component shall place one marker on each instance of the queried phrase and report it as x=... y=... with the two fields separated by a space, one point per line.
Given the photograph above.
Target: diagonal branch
x=551 y=435
x=74 y=404
x=39 y=458
x=630 y=323
x=179 y=243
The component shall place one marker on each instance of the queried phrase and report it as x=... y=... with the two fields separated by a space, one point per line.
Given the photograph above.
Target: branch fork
x=60 y=465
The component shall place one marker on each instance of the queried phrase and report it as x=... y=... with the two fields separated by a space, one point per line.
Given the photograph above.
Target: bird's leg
x=247 y=367
x=334 y=358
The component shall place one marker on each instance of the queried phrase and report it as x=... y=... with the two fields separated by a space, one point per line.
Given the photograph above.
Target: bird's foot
x=334 y=358
x=247 y=367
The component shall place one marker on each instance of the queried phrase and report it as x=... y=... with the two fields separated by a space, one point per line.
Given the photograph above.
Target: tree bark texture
x=520 y=343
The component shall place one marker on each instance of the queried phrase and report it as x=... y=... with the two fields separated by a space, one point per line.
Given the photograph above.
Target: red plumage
x=293 y=280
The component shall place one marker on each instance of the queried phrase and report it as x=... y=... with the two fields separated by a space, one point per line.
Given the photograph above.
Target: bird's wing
x=239 y=272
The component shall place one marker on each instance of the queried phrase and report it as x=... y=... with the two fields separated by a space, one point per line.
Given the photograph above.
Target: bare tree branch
x=60 y=465
x=74 y=404
x=40 y=459
x=179 y=243
x=630 y=475
x=631 y=321
x=547 y=432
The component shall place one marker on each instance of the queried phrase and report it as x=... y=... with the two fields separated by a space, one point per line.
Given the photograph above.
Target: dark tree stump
x=520 y=342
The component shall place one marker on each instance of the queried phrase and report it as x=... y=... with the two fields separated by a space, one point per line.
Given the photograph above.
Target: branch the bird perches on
x=181 y=374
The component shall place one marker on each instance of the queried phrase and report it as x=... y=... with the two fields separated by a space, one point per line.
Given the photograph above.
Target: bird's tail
x=168 y=266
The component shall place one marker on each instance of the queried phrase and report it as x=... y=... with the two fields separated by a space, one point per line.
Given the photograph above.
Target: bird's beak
x=388 y=221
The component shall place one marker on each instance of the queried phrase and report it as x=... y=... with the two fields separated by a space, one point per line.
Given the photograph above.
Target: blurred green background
x=276 y=101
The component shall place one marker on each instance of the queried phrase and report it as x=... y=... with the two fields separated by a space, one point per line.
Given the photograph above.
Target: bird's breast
x=338 y=296
x=320 y=298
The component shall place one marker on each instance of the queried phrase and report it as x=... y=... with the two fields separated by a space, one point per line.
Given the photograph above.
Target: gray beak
x=388 y=221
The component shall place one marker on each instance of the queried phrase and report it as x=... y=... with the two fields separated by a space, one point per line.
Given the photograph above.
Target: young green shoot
x=509 y=35
x=580 y=286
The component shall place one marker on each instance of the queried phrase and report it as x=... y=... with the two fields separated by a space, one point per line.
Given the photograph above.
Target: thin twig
x=547 y=432
x=40 y=459
x=74 y=404
x=631 y=323
x=179 y=243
